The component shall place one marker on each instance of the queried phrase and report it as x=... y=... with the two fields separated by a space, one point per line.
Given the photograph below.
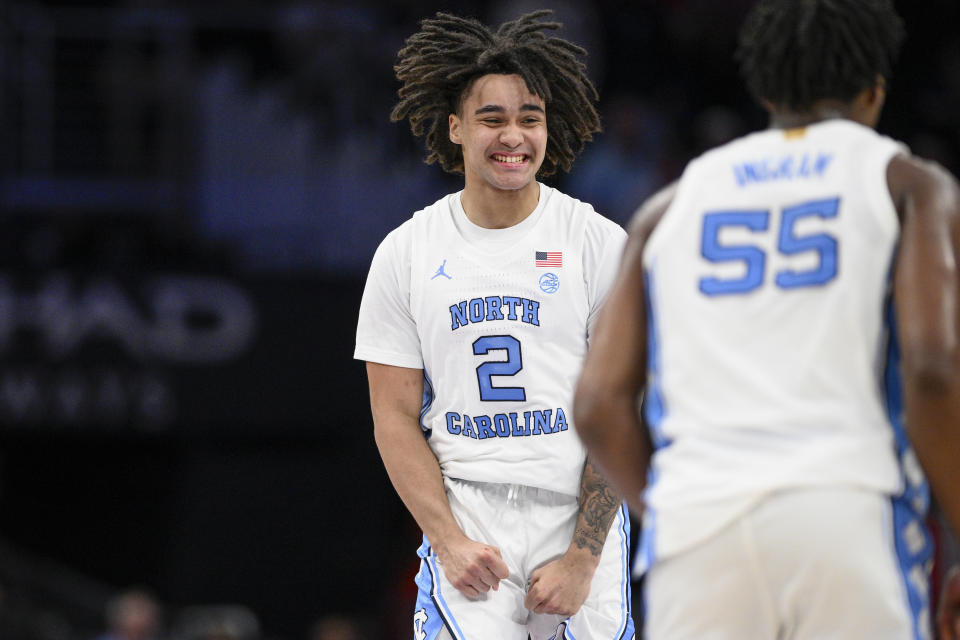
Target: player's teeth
x=509 y=158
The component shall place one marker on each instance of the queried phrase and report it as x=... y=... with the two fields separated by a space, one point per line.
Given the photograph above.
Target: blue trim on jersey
x=430 y=598
x=914 y=547
x=912 y=540
x=646 y=548
x=654 y=408
x=917 y=492
x=627 y=629
x=426 y=402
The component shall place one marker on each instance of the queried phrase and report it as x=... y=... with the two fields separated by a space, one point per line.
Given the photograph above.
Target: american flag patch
x=549 y=258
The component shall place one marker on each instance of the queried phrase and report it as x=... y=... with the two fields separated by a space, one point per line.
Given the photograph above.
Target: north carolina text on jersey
x=505 y=425
x=494 y=308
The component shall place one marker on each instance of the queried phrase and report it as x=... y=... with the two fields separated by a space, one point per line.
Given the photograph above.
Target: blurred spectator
x=216 y=622
x=133 y=615
x=336 y=627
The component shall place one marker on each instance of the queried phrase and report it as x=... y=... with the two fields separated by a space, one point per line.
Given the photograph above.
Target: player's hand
x=561 y=586
x=948 y=611
x=473 y=567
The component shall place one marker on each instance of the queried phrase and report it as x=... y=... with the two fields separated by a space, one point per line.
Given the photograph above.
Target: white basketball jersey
x=498 y=320
x=768 y=279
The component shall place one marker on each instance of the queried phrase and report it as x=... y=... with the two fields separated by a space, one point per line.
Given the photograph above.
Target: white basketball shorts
x=530 y=527
x=804 y=564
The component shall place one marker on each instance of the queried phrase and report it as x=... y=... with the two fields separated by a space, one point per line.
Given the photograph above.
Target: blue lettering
x=753 y=172
x=458 y=315
x=785 y=168
x=493 y=308
x=531 y=312
x=505 y=425
x=541 y=421
x=748 y=172
x=468 y=427
x=820 y=166
x=740 y=173
x=502 y=423
x=561 y=424
x=483 y=427
x=476 y=310
x=452 y=422
x=512 y=303
x=517 y=429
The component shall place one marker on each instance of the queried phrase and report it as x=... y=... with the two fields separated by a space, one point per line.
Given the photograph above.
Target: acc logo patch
x=549 y=283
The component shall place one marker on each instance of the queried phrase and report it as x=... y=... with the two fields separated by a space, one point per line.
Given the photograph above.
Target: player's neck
x=796 y=120
x=820 y=111
x=492 y=208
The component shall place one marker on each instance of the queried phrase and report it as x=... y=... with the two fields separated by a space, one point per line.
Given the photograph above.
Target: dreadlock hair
x=438 y=65
x=793 y=53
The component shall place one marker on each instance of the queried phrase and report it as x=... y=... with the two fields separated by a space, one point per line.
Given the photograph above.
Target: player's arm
x=927 y=294
x=598 y=506
x=614 y=373
x=395 y=397
x=561 y=586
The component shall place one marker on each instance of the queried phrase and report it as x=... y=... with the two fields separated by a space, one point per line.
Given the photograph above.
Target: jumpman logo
x=441 y=272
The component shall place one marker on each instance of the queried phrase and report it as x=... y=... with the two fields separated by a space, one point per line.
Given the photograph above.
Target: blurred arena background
x=190 y=195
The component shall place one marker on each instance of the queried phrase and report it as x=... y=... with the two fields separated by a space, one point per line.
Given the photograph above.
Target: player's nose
x=511 y=136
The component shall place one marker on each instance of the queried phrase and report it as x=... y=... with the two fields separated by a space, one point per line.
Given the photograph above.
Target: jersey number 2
x=490 y=368
x=788 y=243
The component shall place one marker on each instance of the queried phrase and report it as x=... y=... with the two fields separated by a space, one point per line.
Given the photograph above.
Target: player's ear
x=453 y=123
x=879 y=92
x=868 y=104
x=872 y=98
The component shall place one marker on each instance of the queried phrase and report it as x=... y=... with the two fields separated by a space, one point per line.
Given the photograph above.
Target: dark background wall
x=190 y=194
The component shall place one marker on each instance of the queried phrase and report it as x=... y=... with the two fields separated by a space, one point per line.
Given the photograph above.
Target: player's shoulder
x=910 y=175
x=925 y=168
x=839 y=128
x=433 y=211
x=557 y=200
x=397 y=238
x=856 y=140
x=429 y=214
x=835 y=131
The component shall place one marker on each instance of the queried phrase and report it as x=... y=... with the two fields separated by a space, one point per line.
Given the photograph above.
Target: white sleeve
x=602 y=251
x=386 y=329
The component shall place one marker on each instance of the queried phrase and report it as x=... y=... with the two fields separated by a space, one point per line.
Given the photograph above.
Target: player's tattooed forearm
x=598 y=505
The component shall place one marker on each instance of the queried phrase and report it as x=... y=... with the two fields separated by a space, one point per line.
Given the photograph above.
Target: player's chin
x=513 y=181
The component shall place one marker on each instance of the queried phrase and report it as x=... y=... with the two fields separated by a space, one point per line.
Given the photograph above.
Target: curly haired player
x=474 y=324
